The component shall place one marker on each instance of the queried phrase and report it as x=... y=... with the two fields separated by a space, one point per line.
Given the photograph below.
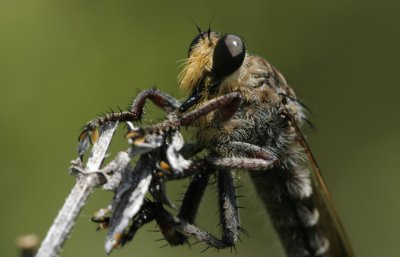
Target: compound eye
x=228 y=55
x=195 y=41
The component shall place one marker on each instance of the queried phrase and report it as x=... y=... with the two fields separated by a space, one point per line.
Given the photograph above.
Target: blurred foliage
x=62 y=62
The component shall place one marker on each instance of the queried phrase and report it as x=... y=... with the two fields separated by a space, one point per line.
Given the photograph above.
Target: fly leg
x=162 y=100
x=228 y=205
x=242 y=163
x=243 y=149
x=91 y=130
x=176 y=229
x=225 y=106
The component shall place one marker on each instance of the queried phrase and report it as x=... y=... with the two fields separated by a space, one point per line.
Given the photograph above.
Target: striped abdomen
x=287 y=195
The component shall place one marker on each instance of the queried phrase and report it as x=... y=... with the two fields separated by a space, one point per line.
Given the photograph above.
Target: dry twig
x=87 y=180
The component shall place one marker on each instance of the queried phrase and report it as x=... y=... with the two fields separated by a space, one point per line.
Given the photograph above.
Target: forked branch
x=87 y=181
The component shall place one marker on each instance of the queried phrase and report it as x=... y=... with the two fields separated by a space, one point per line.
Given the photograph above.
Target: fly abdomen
x=287 y=195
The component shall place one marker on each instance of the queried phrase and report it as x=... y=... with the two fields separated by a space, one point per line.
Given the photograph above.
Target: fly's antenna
x=197 y=27
x=209 y=27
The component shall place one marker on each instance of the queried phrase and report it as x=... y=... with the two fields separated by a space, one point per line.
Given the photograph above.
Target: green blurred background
x=62 y=62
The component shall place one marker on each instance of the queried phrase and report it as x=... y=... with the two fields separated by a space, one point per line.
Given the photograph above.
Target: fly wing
x=330 y=222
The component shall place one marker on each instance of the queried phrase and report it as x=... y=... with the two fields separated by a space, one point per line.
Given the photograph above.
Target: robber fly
x=247 y=117
x=266 y=123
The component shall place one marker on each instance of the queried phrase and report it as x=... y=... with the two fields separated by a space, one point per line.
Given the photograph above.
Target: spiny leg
x=200 y=166
x=162 y=100
x=91 y=130
x=176 y=229
x=193 y=195
x=243 y=149
x=226 y=105
x=192 y=198
x=229 y=216
x=242 y=163
x=228 y=206
x=183 y=223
